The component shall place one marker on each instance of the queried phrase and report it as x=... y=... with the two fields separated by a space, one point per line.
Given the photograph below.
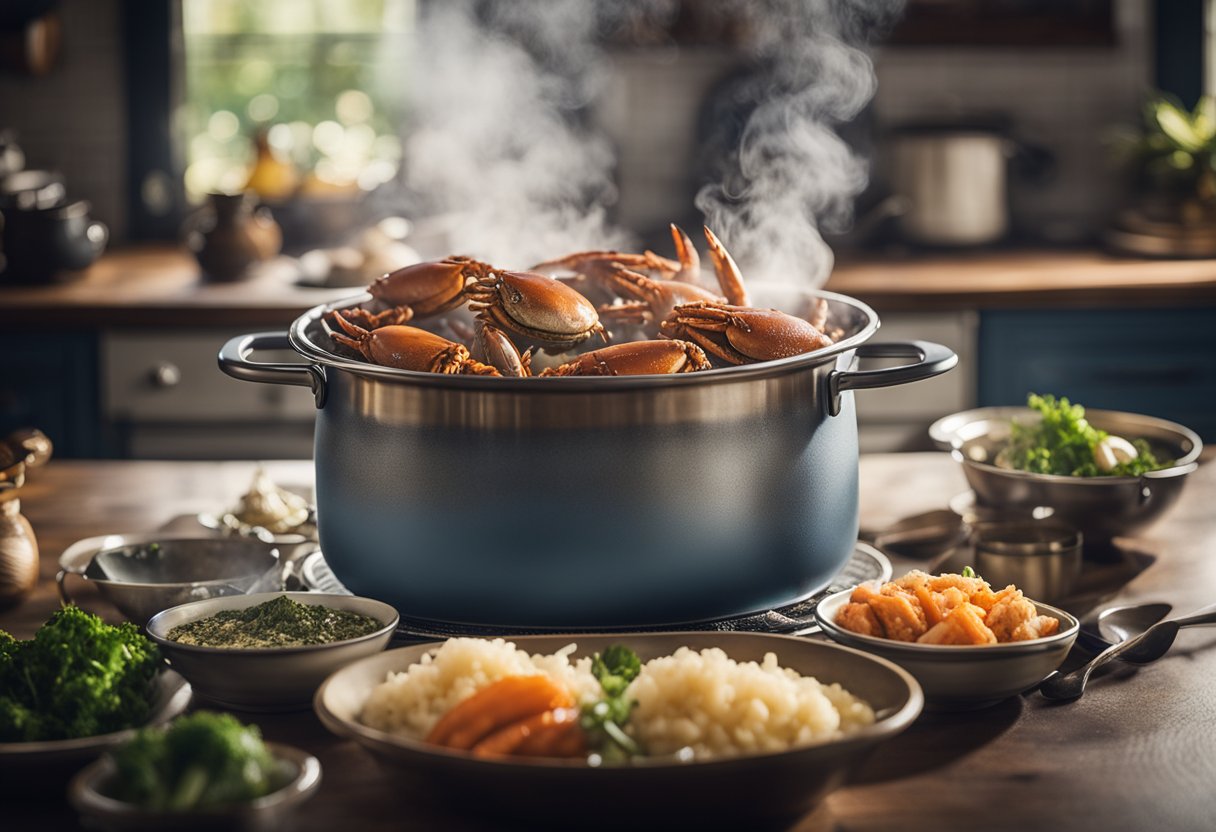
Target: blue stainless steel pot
x=588 y=502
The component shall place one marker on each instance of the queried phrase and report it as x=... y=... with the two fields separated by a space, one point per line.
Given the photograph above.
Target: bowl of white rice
x=735 y=725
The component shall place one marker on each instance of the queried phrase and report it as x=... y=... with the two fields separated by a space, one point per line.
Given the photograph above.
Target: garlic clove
x=1112 y=451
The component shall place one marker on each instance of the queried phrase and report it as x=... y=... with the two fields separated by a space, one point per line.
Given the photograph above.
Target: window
x=318 y=83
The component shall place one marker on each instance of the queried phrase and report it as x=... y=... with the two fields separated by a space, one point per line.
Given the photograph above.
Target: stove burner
x=865 y=564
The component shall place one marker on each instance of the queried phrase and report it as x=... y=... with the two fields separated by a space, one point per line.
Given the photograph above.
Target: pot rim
x=301 y=343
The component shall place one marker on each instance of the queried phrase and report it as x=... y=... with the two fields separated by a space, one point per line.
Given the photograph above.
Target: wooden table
x=1135 y=754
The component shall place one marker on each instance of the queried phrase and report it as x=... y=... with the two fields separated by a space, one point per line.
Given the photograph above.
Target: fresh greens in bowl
x=77 y=677
x=1063 y=443
x=200 y=761
x=202 y=772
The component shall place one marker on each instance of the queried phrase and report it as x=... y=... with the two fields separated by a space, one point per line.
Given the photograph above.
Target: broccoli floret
x=141 y=766
x=202 y=760
x=77 y=677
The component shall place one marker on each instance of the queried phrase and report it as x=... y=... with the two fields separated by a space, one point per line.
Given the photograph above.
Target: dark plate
x=37 y=767
x=764 y=790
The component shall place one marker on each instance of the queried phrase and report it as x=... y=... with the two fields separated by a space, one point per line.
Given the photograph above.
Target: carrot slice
x=495 y=706
x=554 y=733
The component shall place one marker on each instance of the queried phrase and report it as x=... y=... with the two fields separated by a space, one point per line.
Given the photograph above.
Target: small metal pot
x=600 y=502
x=953 y=178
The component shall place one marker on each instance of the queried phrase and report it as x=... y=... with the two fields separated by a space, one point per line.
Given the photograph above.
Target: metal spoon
x=1144 y=648
x=1160 y=637
x=1125 y=623
x=1118 y=624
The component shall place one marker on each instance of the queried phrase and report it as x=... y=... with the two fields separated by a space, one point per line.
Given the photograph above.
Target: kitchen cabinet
x=49 y=381
x=897 y=418
x=1153 y=361
x=164 y=398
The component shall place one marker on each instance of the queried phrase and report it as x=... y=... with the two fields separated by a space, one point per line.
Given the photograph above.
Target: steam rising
x=503 y=91
x=496 y=141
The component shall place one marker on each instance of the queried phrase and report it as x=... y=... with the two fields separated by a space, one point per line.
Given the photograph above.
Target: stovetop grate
x=866 y=564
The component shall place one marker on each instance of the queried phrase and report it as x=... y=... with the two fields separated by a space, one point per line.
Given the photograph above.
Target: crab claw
x=730 y=280
x=690 y=261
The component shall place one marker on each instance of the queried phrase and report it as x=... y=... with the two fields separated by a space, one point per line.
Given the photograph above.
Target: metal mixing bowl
x=142 y=574
x=1100 y=507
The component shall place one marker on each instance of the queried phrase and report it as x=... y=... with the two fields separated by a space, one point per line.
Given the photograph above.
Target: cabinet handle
x=165 y=374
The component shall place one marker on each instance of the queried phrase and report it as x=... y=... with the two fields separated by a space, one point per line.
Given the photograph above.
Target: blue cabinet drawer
x=1161 y=362
x=50 y=382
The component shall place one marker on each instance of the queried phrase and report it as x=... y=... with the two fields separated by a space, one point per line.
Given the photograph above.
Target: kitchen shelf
x=159 y=285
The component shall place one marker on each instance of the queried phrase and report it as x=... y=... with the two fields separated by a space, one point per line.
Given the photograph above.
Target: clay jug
x=229 y=237
x=18 y=548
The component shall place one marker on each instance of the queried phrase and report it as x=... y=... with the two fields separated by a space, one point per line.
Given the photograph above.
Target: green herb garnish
x=605 y=718
x=280 y=622
x=1062 y=443
x=968 y=572
x=77 y=677
x=202 y=760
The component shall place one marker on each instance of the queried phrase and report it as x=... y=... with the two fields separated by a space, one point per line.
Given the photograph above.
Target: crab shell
x=428 y=288
x=409 y=348
x=636 y=358
x=539 y=308
x=742 y=334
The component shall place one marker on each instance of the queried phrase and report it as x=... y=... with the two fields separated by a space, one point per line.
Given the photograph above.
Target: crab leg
x=729 y=277
x=686 y=252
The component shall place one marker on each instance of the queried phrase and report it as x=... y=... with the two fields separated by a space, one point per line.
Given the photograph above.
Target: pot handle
x=234 y=360
x=931 y=360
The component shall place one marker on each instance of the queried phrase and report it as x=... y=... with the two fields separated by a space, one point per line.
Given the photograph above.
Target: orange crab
x=539 y=308
x=409 y=348
x=636 y=358
x=742 y=334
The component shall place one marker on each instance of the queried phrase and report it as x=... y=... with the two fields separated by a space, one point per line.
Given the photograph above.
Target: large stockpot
x=583 y=502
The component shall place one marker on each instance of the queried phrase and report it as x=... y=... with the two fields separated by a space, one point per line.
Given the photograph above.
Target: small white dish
x=962 y=677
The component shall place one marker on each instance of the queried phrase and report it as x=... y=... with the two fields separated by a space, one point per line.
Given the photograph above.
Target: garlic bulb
x=1113 y=451
x=270 y=507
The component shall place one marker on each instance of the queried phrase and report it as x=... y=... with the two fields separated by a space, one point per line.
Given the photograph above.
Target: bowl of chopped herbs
x=77 y=687
x=203 y=771
x=269 y=651
x=1106 y=473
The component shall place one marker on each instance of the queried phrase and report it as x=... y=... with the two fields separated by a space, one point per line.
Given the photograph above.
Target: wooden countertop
x=1134 y=754
x=160 y=286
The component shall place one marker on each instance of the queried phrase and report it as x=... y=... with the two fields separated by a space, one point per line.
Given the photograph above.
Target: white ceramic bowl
x=301 y=773
x=963 y=676
x=268 y=678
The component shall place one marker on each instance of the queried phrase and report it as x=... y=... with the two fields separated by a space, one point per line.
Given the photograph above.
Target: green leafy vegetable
x=605 y=718
x=1062 y=443
x=202 y=760
x=968 y=572
x=77 y=677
